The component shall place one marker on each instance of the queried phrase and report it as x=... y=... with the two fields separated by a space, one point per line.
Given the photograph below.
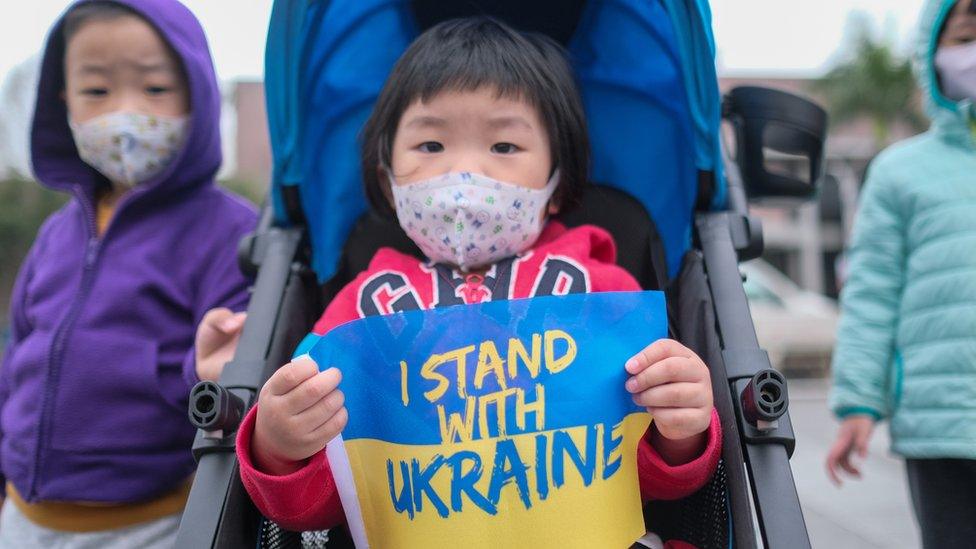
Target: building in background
x=252 y=144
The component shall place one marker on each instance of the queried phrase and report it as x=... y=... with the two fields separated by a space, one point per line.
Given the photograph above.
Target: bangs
x=468 y=55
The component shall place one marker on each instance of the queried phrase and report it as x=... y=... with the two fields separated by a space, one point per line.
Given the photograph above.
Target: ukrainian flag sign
x=503 y=424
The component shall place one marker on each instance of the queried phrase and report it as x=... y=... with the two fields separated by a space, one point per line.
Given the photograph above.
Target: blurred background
x=837 y=52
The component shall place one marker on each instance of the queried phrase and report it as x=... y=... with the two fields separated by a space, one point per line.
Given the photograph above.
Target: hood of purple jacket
x=95 y=380
x=53 y=153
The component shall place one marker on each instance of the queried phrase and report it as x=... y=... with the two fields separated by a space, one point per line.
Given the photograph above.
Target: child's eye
x=504 y=148
x=431 y=147
x=157 y=90
x=94 y=92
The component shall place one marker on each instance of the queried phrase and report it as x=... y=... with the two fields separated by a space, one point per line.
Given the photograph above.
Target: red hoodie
x=562 y=261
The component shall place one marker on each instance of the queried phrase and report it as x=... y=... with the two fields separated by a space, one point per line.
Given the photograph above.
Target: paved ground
x=874 y=512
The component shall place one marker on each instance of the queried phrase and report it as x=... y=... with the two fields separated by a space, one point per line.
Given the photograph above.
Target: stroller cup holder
x=779 y=141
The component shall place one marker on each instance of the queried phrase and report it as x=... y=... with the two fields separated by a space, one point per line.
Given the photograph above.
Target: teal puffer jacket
x=906 y=348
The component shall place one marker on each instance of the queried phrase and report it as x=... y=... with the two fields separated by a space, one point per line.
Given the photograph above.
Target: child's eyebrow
x=94 y=69
x=501 y=122
x=425 y=121
x=161 y=66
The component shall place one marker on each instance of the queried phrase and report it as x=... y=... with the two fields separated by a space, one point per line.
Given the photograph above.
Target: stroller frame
x=757 y=461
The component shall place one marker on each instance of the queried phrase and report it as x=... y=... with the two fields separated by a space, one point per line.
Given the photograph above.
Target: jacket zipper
x=55 y=357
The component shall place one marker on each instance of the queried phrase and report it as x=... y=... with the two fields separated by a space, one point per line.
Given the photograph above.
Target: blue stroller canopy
x=646 y=71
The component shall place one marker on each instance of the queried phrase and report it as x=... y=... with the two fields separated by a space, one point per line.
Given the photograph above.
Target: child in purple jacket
x=94 y=438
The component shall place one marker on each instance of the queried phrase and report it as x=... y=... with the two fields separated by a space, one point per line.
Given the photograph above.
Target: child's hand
x=299 y=411
x=853 y=436
x=216 y=341
x=674 y=385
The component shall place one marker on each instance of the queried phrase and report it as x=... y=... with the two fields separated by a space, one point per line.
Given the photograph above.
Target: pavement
x=873 y=512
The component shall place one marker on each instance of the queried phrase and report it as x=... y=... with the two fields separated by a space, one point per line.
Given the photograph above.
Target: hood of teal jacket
x=954 y=120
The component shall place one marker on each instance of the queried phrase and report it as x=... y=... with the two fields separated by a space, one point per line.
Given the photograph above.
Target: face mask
x=129 y=148
x=957 y=70
x=469 y=219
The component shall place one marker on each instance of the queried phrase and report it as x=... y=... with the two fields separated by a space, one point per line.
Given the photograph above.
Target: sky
x=800 y=36
x=793 y=36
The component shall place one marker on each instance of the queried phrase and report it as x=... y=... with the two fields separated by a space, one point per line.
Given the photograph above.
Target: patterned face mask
x=129 y=148
x=471 y=220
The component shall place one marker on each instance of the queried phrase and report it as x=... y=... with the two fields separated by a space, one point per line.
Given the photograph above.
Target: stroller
x=667 y=190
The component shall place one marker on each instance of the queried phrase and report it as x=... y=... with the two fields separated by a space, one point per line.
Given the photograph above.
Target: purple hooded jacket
x=95 y=381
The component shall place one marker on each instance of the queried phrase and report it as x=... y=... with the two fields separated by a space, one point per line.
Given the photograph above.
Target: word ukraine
x=505 y=418
x=508 y=410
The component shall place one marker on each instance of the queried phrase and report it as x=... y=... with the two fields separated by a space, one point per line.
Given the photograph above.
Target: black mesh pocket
x=701 y=519
x=274 y=536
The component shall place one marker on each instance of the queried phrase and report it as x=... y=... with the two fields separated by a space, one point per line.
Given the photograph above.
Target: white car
x=797 y=327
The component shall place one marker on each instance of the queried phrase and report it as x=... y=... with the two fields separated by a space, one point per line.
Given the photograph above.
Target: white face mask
x=957 y=71
x=129 y=148
x=471 y=220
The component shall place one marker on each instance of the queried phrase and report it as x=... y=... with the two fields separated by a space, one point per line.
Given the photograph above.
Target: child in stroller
x=473 y=96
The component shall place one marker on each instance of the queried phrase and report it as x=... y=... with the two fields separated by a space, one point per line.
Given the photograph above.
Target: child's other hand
x=216 y=341
x=673 y=383
x=852 y=437
x=299 y=411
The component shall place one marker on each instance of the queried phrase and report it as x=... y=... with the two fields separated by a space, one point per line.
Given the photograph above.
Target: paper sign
x=503 y=424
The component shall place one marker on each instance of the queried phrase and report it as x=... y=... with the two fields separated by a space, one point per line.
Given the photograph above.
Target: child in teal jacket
x=906 y=348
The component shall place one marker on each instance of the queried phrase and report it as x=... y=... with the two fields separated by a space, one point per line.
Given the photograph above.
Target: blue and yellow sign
x=503 y=424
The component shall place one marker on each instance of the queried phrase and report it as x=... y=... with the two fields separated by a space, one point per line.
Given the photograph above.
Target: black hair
x=92 y=11
x=471 y=53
